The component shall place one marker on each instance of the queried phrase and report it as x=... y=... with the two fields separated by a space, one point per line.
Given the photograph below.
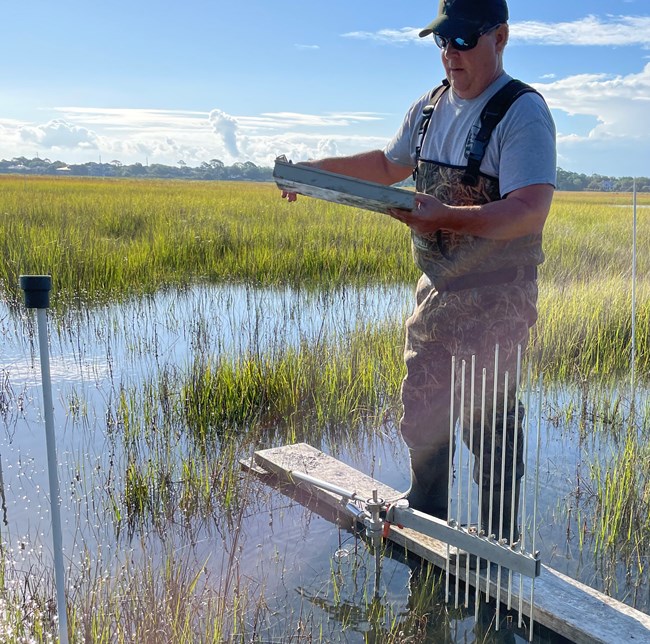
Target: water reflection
x=288 y=555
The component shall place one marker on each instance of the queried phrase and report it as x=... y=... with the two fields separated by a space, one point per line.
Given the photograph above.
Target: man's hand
x=289 y=196
x=428 y=215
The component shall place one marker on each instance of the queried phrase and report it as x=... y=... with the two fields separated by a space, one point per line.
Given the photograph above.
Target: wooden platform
x=562 y=604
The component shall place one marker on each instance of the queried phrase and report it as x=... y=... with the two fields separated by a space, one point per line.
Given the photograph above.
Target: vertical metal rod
x=539 y=442
x=524 y=488
x=504 y=439
x=515 y=447
x=377 y=541
x=477 y=589
x=492 y=450
x=459 y=489
x=469 y=471
x=634 y=257
x=55 y=499
x=450 y=475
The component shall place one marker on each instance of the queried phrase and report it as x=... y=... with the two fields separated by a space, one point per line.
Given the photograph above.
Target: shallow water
x=292 y=556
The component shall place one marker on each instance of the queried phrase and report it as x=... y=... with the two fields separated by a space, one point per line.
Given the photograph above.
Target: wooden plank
x=339 y=188
x=562 y=604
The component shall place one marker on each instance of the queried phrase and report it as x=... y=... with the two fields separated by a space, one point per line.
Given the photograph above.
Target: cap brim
x=451 y=27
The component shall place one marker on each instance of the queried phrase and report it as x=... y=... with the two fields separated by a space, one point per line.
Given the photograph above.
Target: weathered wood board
x=563 y=605
x=340 y=189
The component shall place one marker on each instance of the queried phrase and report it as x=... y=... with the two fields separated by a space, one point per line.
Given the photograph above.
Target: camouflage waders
x=464 y=322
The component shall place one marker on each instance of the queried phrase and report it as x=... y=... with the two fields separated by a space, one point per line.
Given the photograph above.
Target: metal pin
x=500 y=536
x=450 y=476
x=477 y=590
x=469 y=471
x=459 y=489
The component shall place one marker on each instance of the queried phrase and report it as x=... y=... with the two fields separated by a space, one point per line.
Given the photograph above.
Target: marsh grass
x=106 y=239
x=182 y=432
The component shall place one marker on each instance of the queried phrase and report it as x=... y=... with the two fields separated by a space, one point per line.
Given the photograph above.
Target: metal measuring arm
x=467 y=540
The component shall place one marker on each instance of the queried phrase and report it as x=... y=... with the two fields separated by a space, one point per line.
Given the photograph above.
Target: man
x=476 y=237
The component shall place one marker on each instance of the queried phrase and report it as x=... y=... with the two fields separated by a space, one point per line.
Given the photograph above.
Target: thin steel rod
x=450 y=463
x=477 y=593
x=504 y=438
x=493 y=449
x=634 y=262
x=469 y=469
x=459 y=489
x=539 y=442
x=524 y=488
x=515 y=447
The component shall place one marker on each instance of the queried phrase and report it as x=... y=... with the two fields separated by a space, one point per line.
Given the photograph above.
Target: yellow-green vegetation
x=107 y=239
x=103 y=239
x=182 y=432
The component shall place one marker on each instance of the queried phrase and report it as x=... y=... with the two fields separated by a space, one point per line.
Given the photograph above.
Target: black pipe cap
x=37 y=290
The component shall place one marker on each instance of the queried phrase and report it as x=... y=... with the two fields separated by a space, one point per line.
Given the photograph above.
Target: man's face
x=470 y=72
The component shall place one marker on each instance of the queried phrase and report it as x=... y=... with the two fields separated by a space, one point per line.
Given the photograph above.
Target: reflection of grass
x=621 y=516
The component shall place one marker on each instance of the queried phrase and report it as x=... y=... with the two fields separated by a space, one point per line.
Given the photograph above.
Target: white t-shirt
x=520 y=152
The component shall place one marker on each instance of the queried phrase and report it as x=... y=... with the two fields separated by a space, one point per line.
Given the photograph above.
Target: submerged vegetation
x=173 y=437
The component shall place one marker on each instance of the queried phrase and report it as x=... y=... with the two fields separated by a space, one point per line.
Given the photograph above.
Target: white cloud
x=591 y=30
x=619 y=103
x=307 y=47
x=291 y=120
x=226 y=128
x=59 y=134
x=165 y=136
x=391 y=36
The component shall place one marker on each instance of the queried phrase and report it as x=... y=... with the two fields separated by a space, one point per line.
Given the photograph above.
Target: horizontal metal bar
x=323 y=485
x=484 y=547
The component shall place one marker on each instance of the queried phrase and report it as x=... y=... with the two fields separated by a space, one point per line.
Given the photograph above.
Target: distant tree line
x=213 y=170
x=216 y=170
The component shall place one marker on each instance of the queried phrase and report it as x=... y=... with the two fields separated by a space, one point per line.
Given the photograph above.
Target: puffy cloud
x=226 y=127
x=59 y=134
x=618 y=103
x=617 y=106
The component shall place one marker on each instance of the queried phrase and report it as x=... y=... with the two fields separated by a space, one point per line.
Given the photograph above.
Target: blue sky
x=191 y=81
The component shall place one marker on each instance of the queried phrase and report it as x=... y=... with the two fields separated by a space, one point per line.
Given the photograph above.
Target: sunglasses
x=462 y=44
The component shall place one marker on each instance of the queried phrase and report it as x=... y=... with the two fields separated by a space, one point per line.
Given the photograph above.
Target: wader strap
x=492 y=113
x=427 y=112
x=491 y=278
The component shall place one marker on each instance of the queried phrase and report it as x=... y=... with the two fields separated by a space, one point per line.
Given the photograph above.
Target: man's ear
x=501 y=36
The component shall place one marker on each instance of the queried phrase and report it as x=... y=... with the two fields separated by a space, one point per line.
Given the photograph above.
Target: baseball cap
x=464 y=18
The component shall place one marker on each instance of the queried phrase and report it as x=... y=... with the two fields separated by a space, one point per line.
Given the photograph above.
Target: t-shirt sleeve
x=401 y=148
x=528 y=148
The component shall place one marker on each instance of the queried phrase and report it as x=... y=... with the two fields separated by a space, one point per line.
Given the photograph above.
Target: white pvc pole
x=36 y=296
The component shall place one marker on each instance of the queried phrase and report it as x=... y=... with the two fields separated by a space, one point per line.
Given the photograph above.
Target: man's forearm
x=369 y=166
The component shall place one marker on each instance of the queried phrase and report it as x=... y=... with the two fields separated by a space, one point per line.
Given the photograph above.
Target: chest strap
x=492 y=113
